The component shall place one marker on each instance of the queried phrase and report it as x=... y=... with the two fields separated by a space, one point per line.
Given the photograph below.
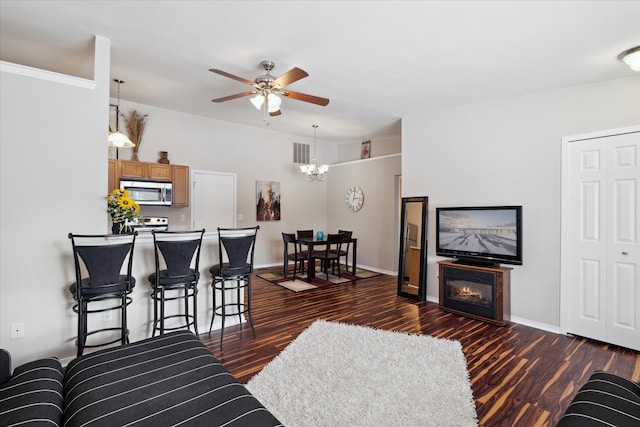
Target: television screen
x=483 y=235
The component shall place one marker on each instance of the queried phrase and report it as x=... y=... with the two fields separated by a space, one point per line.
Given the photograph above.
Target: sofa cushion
x=33 y=393
x=605 y=400
x=167 y=380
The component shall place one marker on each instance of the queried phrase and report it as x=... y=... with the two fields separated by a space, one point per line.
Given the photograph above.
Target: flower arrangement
x=121 y=206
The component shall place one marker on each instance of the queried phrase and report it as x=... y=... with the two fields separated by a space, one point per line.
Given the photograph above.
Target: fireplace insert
x=470 y=291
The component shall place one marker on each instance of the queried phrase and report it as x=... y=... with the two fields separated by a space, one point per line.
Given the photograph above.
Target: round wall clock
x=354 y=198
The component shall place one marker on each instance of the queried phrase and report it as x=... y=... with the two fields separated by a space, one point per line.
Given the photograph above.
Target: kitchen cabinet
x=177 y=174
x=180 y=179
x=158 y=171
x=113 y=175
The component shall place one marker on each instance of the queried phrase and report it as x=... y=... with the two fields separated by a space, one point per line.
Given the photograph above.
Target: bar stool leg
x=223 y=312
x=249 y=305
x=123 y=321
x=213 y=315
x=195 y=309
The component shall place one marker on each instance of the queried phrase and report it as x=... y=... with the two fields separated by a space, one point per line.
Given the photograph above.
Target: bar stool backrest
x=179 y=250
x=238 y=244
x=102 y=261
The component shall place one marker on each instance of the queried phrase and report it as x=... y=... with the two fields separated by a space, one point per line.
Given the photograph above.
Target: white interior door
x=601 y=260
x=213 y=200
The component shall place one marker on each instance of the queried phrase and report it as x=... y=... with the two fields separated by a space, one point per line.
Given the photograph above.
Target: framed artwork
x=365 y=152
x=267 y=201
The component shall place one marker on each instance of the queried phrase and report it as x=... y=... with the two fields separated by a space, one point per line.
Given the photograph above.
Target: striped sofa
x=171 y=379
x=607 y=400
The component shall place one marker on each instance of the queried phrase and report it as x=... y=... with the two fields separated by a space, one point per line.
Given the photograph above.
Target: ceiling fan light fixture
x=257 y=100
x=631 y=57
x=274 y=102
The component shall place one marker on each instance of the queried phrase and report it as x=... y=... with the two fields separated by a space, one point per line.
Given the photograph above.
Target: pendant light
x=313 y=172
x=118 y=139
x=631 y=57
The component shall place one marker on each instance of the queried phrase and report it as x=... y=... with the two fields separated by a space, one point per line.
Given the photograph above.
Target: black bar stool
x=238 y=245
x=103 y=262
x=178 y=251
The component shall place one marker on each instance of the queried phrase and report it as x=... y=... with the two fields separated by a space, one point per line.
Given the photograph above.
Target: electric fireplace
x=478 y=292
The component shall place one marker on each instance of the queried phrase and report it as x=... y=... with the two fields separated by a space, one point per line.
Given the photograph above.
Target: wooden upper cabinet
x=114 y=174
x=178 y=175
x=131 y=169
x=161 y=171
x=180 y=179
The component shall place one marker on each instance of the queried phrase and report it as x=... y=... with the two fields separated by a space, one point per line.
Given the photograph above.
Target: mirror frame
x=422 y=282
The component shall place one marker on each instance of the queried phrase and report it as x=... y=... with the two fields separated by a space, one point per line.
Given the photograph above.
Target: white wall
x=52 y=179
x=508 y=152
x=375 y=224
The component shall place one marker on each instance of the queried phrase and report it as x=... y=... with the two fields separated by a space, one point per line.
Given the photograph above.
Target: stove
x=149 y=223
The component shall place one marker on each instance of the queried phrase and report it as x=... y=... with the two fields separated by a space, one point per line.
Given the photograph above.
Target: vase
x=119 y=227
x=134 y=156
x=164 y=157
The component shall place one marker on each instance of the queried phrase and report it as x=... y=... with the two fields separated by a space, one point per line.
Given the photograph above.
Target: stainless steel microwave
x=149 y=192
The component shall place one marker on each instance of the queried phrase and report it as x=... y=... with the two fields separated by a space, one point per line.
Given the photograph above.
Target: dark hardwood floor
x=520 y=376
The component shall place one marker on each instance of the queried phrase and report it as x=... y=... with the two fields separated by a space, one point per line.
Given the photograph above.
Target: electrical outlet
x=107 y=316
x=181 y=217
x=240 y=217
x=17 y=330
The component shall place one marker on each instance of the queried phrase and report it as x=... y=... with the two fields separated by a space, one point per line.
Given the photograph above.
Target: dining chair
x=345 y=253
x=304 y=250
x=289 y=240
x=330 y=253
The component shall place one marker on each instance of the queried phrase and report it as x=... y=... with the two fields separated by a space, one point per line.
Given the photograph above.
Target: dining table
x=313 y=242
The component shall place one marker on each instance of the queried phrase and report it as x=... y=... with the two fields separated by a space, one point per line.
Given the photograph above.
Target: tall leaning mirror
x=412 y=265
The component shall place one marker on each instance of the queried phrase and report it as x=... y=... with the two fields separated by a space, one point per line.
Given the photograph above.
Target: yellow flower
x=127 y=203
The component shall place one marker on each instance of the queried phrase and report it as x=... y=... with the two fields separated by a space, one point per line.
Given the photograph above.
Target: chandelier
x=312 y=171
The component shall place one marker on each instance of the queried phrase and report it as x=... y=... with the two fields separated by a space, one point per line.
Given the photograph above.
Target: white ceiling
x=377 y=61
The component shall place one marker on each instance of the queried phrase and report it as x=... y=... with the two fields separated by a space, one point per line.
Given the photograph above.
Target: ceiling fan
x=268 y=89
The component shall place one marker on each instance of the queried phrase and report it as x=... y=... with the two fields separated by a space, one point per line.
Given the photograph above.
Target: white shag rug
x=335 y=374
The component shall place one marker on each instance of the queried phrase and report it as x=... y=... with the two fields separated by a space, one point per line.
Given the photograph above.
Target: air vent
x=300 y=153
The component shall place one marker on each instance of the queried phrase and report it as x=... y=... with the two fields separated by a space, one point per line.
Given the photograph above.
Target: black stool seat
x=123 y=285
x=179 y=251
x=238 y=245
x=167 y=279
x=103 y=261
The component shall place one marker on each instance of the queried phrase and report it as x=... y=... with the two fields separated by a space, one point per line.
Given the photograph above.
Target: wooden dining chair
x=304 y=250
x=330 y=253
x=298 y=258
x=346 y=235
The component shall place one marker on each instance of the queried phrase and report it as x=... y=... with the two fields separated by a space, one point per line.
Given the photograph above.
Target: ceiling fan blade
x=231 y=76
x=306 y=98
x=237 y=95
x=293 y=75
x=275 y=113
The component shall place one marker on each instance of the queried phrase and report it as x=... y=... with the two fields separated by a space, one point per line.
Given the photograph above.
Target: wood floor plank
x=520 y=376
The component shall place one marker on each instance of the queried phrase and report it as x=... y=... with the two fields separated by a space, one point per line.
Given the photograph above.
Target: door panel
x=601 y=290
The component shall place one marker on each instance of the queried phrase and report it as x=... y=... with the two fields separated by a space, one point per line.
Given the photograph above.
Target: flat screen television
x=480 y=235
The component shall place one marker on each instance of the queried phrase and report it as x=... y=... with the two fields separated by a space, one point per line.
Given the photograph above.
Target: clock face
x=354 y=198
